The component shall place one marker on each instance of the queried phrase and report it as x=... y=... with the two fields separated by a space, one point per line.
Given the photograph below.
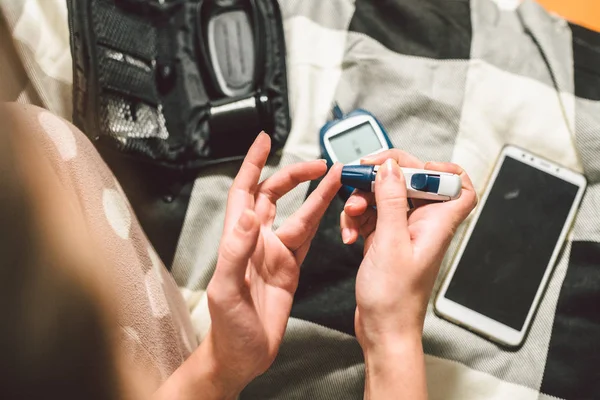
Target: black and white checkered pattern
x=453 y=81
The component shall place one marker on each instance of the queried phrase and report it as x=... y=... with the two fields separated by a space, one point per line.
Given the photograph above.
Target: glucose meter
x=350 y=137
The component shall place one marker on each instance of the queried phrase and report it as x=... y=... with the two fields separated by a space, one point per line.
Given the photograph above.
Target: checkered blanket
x=451 y=80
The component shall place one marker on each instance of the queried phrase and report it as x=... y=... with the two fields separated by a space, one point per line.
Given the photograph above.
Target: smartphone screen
x=512 y=243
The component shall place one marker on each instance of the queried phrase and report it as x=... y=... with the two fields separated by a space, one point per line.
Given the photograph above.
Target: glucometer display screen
x=512 y=242
x=355 y=143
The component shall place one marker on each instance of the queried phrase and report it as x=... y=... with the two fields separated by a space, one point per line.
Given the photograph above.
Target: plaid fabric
x=451 y=80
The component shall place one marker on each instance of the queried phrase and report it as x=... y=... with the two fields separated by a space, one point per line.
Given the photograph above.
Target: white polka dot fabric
x=60 y=134
x=156 y=330
x=116 y=212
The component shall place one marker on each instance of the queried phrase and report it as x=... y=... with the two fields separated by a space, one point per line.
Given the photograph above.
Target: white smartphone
x=503 y=265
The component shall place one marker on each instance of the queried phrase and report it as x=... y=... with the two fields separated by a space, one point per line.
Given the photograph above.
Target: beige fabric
x=13 y=79
x=39 y=56
x=154 y=322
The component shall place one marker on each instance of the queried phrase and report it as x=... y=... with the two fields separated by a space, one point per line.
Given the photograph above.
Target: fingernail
x=257 y=138
x=324 y=160
x=389 y=170
x=394 y=168
x=367 y=160
x=346 y=235
x=261 y=134
x=246 y=221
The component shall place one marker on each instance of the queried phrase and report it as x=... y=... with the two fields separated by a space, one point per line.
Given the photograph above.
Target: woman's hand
x=251 y=293
x=403 y=253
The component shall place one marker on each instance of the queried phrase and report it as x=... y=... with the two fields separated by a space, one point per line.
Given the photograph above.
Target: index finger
x=285 y=180
x=439 y=221
x=402 y=158
x=246 y=181
x=468 y=197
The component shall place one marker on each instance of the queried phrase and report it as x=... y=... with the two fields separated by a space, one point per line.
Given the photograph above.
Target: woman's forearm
x=396 y=370
x=198 y=378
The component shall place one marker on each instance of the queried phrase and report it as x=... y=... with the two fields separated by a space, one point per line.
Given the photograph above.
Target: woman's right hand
x=402 y=255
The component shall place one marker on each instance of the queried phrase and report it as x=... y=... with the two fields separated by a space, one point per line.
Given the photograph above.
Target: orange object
x=582 y=12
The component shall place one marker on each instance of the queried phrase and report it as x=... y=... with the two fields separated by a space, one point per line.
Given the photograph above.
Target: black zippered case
x=179 y=83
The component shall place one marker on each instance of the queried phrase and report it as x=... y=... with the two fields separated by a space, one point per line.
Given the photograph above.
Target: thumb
x=392 y=204
x=237 y=246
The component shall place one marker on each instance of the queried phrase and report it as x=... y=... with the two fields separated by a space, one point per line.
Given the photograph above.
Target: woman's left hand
x=250 y=295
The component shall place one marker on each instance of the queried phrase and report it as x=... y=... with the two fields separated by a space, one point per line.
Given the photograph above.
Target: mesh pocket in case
x=171 y=81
